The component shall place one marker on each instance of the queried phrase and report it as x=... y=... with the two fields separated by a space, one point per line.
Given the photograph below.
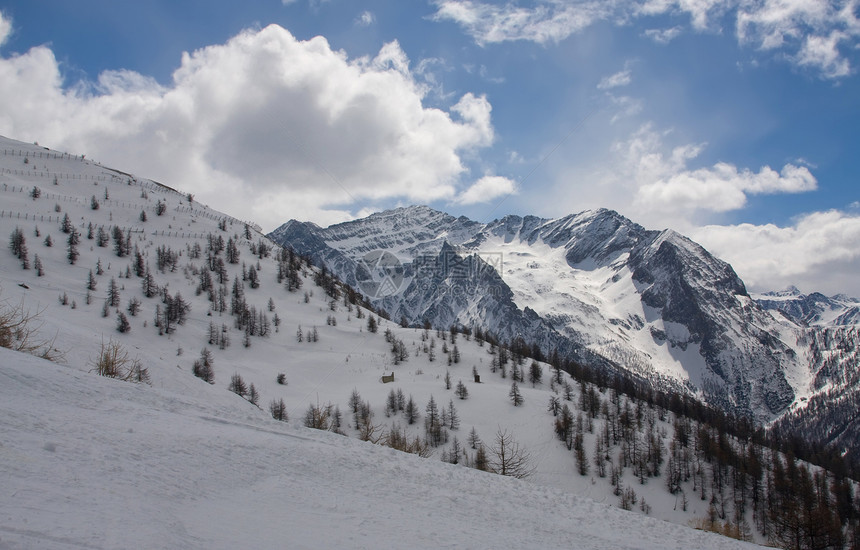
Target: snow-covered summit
x=814 y=309
x=602 y=287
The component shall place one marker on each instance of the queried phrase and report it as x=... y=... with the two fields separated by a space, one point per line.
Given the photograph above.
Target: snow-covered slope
x=87 y=455
x=90 y=462
x=594 y=286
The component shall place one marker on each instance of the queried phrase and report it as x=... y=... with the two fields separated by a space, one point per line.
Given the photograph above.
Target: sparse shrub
x=318 y=418
x=113 y=361
x=398 y=439
x=19 y=331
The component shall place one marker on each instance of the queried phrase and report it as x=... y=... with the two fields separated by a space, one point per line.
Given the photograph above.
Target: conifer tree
x=72 y=242
x=515 y=395
x=253 y=395
x=237 y=385
x=411 y=411
x=122 y=324
x=113 y=293
x=66 y=224
x=279 y=410
x=91 y=281
x=202 y=367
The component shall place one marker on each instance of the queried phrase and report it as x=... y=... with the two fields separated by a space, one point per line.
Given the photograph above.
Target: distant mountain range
x=813 y=309
x=596 y=287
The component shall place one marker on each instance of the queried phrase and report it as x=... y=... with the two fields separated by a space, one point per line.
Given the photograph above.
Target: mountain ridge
x=600 y=288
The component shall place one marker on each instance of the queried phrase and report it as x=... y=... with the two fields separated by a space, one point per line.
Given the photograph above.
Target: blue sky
x=736 y=122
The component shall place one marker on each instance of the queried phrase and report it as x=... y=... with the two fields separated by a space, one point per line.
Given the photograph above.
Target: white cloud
x=817 y=253
x=626 y=106
x=486 y=189
x=621 y=78
x=823 y=52
x=265 y=126
x=365 y=19
x=548 y=21
x=814 y=28
x=722 y=187
x=5 y=28
x=808 y=32
x=700 y=11
x=663 y=36
x=662 y=185
x=665 y=185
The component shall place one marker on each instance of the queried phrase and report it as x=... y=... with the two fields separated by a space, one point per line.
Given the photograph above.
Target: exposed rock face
x=594 y=286
x=814 y=309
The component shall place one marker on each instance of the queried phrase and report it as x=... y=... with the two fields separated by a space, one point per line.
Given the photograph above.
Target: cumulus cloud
x=265 y=126
x=816 y=253
x=664 y=184
x=486 y=189
x=814 y=34
x=722 y=187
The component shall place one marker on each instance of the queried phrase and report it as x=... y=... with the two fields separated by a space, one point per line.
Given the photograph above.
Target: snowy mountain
x=813 y=309
x=101 y=261
x=593 y=286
